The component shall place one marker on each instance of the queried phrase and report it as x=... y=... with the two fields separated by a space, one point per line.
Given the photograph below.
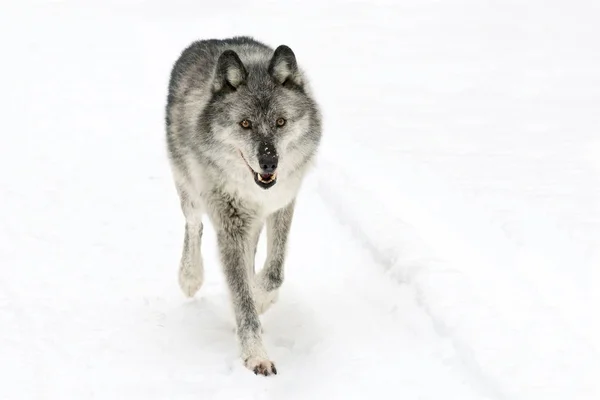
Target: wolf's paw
x=190 y=280
x=261 y=366
x=264 y=300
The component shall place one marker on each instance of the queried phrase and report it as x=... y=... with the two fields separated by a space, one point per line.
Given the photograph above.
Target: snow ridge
x=495 y=319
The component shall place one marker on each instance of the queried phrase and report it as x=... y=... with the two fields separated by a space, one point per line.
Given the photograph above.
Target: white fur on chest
x=265 y=201
x=239 y=183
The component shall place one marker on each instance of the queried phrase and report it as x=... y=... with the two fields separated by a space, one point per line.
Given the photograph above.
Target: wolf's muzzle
x=267 y=160
x=268 y=175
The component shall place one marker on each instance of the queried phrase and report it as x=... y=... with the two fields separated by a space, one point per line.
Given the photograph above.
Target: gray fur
x=219 y=169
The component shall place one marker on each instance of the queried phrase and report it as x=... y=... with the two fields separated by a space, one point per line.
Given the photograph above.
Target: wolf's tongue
x=266 y=177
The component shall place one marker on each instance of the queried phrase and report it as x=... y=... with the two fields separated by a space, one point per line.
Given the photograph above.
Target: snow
x=446 y=246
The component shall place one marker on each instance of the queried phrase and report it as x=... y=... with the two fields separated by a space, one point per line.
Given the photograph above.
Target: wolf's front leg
x=191 y=270
x=236 y=242
x=270 y=278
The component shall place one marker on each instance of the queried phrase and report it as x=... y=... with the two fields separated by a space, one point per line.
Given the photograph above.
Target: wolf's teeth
x=268 y=181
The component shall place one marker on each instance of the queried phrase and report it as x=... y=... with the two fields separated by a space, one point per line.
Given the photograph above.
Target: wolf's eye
x=280 y=122
x=245 y=124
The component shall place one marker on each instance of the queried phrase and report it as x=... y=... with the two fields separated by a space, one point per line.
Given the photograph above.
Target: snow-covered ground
x=447 y=246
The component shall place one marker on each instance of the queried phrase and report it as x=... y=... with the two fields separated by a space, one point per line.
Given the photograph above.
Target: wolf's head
x=261 y=112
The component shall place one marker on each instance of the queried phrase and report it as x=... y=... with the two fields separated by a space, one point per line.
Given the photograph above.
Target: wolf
x=242 y=130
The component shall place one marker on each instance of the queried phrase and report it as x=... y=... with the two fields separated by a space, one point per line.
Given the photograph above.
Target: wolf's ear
x=283 y=67
x=230 y=72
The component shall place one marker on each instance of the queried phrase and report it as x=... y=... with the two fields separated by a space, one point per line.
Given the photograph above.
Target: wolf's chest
x=265 y=201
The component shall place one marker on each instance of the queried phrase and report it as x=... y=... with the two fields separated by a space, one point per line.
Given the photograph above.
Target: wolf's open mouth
x=265 y=181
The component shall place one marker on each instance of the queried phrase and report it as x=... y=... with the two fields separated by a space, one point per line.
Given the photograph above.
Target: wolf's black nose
x=268 y=163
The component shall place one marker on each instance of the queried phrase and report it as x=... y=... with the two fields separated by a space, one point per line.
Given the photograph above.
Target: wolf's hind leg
x=269 y=279
x=191 y=269
x=254 y=238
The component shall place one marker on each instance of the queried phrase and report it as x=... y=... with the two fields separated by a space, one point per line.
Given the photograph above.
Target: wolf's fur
x=214 y=85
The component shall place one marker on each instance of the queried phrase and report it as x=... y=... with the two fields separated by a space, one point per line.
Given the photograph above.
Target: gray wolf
x=242 y=130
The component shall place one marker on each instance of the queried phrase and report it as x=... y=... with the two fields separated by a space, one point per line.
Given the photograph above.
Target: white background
x=446 y=246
